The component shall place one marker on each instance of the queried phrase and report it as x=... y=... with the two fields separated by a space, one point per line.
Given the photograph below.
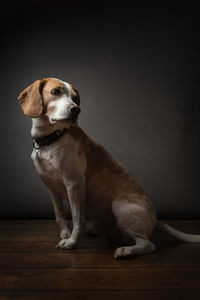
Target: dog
x=77 y=169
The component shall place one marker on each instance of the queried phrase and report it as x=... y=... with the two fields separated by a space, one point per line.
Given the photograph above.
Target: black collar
x=48 y=139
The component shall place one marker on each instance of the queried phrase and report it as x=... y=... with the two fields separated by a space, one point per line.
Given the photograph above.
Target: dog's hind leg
x=142 y=246
x=60 y=215
x=136 y=226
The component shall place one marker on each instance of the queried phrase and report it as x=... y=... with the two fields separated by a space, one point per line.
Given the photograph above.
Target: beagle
x=79 y=170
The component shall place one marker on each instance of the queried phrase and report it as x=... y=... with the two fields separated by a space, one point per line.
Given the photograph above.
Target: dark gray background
x=136 y=70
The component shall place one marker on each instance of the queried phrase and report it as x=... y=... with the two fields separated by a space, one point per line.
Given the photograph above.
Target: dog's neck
x=42 y=127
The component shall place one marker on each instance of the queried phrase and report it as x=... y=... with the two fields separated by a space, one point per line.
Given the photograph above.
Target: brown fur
x=107 y=179
x=78 y=158
x=81 y=171
x=31 y=99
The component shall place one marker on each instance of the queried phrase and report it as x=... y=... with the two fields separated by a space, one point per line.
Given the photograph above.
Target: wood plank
x=96 y=244
x=173 y=258
x=191 y=226
x=31 y=267
x=41 y=246
x=95 y=279
x=101 y=294
x=27 y=228
x=49 y=247
x=47 y=230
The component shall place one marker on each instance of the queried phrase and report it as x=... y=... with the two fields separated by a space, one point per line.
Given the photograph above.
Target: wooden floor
x=31 y=267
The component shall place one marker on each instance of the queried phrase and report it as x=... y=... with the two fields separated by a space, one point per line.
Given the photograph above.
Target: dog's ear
x=31 y=99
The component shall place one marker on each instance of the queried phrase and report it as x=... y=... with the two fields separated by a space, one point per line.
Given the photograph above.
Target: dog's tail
x=184 y=237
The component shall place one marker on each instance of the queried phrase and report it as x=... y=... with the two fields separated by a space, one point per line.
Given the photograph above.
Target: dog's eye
x=56 y=92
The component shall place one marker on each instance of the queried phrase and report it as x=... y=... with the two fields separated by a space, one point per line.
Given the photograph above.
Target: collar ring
x=34 y=146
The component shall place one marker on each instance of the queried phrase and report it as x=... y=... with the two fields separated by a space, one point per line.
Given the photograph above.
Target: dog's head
x=53 y=98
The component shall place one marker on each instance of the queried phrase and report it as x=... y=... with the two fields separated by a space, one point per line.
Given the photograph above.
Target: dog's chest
x=51 y=163
x=47 y=164
x=56 y=163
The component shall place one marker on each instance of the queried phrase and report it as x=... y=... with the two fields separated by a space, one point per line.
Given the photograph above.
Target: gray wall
x=136 y=71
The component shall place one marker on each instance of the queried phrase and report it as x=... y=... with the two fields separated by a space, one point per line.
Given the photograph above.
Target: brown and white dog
x=79 y=170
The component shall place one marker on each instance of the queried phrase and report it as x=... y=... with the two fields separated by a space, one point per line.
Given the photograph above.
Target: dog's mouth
x=71 y=118
x=67 y=120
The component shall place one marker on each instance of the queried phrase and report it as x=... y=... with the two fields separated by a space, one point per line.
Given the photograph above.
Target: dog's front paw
x=66 y=244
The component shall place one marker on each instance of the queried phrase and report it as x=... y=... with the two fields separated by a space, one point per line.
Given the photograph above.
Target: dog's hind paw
x=123 y=252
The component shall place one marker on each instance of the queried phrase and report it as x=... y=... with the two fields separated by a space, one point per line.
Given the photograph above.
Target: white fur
x=62 y=109
x=38 y=127
x=68 y=87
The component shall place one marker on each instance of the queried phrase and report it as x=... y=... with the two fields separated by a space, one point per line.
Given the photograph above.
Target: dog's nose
x=75 y=110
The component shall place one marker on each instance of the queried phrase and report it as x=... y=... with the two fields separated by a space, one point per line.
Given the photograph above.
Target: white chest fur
x=60 y=164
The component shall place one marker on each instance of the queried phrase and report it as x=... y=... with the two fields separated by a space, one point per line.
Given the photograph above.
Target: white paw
x=123 y=251
x=66 y=244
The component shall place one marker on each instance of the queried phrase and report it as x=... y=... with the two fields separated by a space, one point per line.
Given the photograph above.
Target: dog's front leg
x=76 y=194
x=60 y=215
